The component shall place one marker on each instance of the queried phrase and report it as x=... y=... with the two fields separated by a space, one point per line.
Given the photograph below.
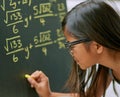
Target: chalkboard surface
x=31 y=39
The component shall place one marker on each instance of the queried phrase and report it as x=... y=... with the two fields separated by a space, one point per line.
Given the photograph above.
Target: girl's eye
x=71 y=47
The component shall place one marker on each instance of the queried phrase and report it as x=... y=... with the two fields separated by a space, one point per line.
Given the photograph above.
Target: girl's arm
x=40 y=82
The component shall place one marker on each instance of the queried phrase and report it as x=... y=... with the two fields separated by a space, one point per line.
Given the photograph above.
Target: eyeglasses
x=70 y=44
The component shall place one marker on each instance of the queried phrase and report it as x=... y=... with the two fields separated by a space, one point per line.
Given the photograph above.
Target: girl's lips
x=76 y=60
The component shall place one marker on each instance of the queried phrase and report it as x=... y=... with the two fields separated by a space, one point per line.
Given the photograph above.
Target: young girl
x=92 y=31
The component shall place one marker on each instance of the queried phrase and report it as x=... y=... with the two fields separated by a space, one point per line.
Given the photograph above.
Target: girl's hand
x=40 y=82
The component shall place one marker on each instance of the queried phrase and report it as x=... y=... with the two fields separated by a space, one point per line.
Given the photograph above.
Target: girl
x=92 y=31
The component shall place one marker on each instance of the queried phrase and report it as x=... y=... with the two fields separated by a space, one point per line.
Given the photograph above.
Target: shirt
x=110 y=91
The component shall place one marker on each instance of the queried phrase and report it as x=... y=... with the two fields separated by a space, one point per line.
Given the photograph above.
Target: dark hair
x=97 y=21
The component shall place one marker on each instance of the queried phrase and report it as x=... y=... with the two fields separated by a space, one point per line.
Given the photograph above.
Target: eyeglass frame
x=70 y=44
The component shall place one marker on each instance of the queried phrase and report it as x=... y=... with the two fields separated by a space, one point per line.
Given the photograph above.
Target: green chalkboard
x=31 y=39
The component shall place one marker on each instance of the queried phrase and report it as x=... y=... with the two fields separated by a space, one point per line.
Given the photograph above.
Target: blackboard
x=31 y=39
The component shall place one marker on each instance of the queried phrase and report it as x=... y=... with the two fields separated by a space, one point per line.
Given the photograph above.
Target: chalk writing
x=13 y=17
x=32 y=24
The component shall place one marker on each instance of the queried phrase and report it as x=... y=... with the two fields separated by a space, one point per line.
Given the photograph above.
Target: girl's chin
x=82 y=66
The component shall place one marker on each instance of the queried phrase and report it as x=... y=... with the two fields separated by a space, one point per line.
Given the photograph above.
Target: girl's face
x=84 y=55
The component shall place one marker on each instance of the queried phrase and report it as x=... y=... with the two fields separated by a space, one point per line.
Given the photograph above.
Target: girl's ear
x=99 y=48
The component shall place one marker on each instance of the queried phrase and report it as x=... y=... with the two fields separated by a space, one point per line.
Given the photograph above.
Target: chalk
x=27 y=76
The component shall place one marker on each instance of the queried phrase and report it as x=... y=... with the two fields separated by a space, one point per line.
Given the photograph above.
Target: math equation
x=31 y=24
